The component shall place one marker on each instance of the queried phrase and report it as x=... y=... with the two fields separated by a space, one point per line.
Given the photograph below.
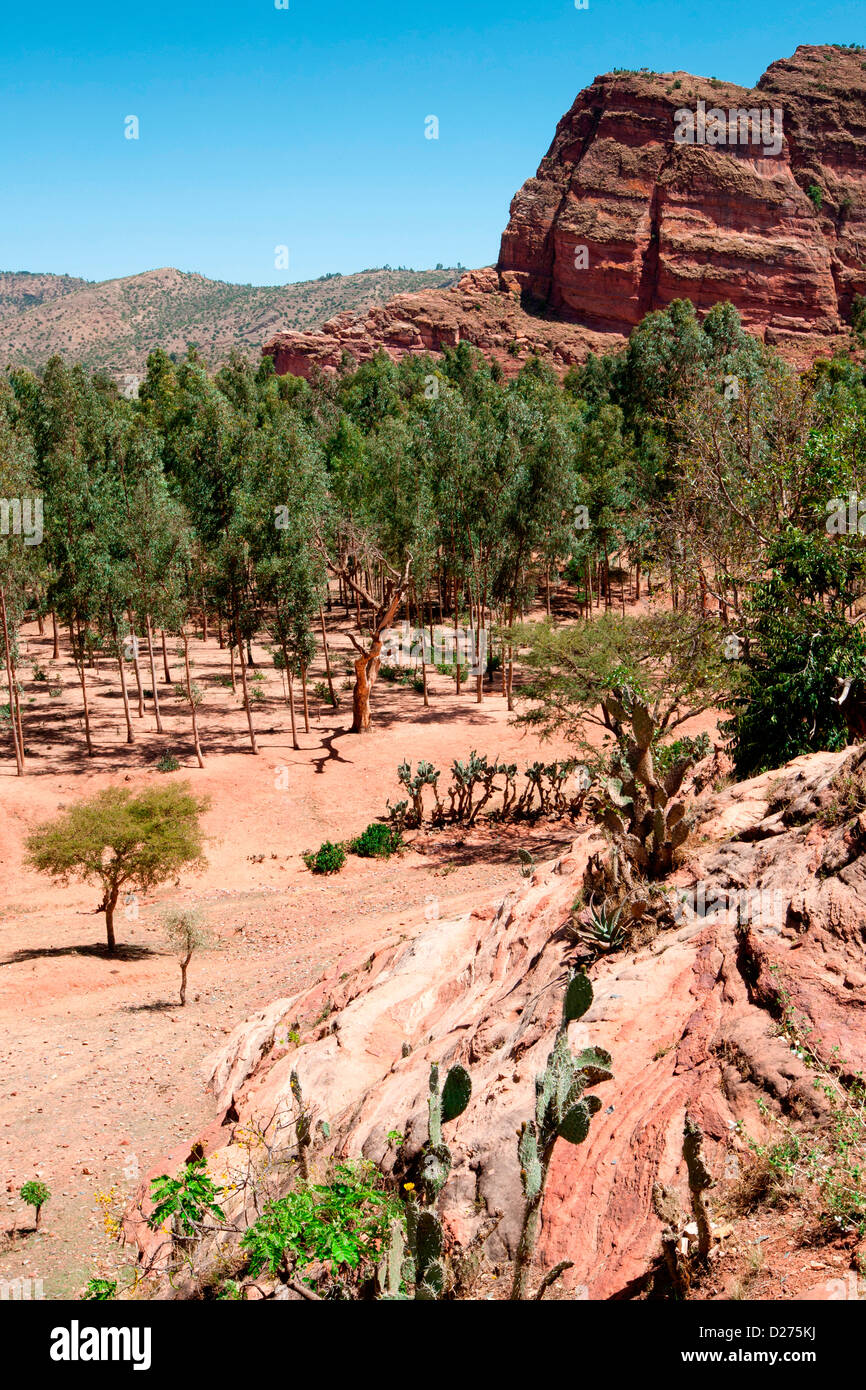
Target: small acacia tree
x=122 y=840
x=35 y=1194
x=185 y=935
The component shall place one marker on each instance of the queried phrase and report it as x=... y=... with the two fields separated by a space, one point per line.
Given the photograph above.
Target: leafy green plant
x=815 y=192
x=342 y=1223
x=168 y=763
x=100 y=1289
x=35 y=1194
x=185 y=1201
x=378 y=841
x=329 y=858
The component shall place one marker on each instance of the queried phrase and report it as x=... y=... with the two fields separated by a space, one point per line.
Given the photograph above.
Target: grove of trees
x=694 y=468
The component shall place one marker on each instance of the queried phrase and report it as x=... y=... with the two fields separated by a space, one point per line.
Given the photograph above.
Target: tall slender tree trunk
x=10 y=677
x=134 y=643
x=191 y=698
x=304 y=695
x=456 y=637
x=509 y=691
x=419 y=617
x=130 y=732
x=290 y=679
x=334 y=701
x=253 y=744
x=232 y=657
x=78 y=656
x=159 y=728
x=55 y=654
x=165 y=668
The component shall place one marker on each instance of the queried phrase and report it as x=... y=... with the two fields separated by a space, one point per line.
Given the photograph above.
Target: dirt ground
x=103 y=1071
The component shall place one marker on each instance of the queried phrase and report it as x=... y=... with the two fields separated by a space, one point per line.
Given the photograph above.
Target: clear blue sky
x=304 y=126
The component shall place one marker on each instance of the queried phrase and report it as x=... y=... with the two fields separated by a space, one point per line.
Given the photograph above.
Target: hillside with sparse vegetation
x=113 y=324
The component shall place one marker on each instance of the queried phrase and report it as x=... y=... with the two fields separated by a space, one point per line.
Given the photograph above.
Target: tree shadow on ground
x=158 y=1006
x=120 y=953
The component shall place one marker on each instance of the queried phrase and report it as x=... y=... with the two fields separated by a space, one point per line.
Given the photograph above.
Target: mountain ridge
x=113 y=324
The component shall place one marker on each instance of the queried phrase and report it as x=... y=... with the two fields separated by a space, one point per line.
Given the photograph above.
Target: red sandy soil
x=102 y=1071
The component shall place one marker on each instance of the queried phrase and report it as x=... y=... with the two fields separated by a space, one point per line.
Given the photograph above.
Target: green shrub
x=168 y=763
x=343 y=1222
x=35 y=1194
x=816 y=194
x=378 y=841
x=327 y=859
x=185 y=1200
x=666 y=754
x=100 y=1289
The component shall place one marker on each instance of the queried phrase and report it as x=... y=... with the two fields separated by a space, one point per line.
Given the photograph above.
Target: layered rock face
x=625 y=215
x=690 y=1020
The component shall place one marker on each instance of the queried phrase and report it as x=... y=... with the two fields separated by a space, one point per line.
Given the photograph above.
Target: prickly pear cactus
x=563 y=1110
x=647 y=825
x=423 y=1264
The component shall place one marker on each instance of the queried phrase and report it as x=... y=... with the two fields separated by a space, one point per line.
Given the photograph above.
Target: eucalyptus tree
x=21 y=534
x=281 y=507
x=64 y=412
x=207 y=440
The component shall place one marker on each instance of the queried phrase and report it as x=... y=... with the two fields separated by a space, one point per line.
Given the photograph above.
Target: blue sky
x=304 y=127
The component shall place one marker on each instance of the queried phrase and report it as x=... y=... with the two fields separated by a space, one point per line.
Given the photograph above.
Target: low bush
x=327 y=859
x=378 y=841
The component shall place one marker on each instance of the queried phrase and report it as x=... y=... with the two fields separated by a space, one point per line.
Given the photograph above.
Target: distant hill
x=114 y=324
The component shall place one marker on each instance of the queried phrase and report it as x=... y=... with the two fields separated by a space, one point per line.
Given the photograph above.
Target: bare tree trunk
x=420 y=620
x=78 y=646
x=159 y=728
x=334 y=701
x=55 y=655
x=184 y=966
x=253 y=745
x=232 y=657
x=110 y=904
x=166 y=671
x=456 y=637
x=191 y=698
x=130 y=732
x=291 y=681
x=10 y=677
x=134 y=642
x=304 y=694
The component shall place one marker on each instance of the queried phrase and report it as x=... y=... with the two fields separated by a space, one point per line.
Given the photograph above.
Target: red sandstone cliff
x=621 y=219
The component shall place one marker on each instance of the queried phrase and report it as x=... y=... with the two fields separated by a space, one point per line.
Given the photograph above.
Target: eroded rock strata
x=621 y=219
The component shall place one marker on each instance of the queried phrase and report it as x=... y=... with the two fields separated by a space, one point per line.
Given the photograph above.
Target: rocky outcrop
x=690 y=1019
x=621 y=218
x=483 y=308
